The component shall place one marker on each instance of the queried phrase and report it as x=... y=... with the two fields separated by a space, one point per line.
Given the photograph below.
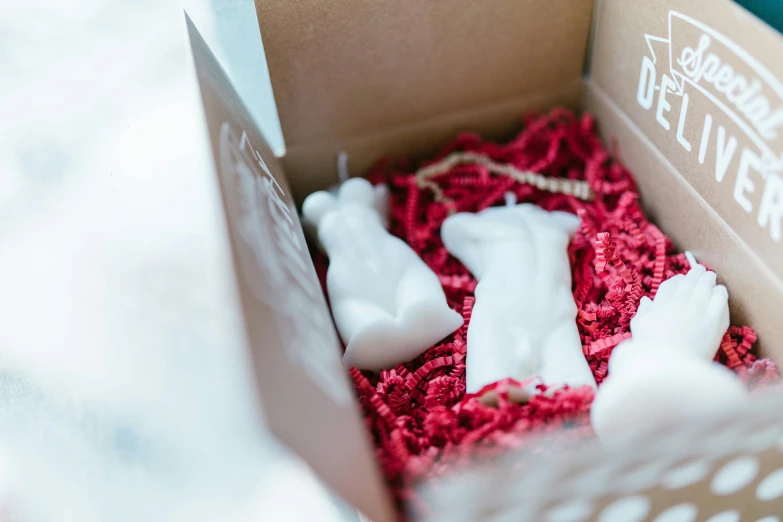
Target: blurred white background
x=125 y=393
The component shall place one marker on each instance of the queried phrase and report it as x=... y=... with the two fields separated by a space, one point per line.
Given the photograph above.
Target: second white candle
x=523 y=323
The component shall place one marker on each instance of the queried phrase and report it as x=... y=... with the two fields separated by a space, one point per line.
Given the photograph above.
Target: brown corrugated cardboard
x=702 y=135
x=411 y=73
x=416 y=141
x=730 y=468
x=389 y=78
x=306 y=395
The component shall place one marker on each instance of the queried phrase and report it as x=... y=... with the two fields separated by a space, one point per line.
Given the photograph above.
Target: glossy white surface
x=666 y=371
x=388 y=305
x=125 y=392
x=523 y=323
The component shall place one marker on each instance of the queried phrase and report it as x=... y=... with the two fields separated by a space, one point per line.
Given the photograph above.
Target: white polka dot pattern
x=628 y=509
x=679 y=513
x=771 y=487
x=717 y=471
x=726 y=516
x=686 y=474
x=735 y=475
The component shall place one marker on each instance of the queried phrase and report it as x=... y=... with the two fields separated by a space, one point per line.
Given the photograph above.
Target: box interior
x=370 y=95
x=391 y=78
x=385 y=79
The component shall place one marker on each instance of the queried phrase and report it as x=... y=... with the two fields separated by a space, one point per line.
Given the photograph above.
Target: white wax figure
x=665 y=372
x=388 y=305
x=523 y=323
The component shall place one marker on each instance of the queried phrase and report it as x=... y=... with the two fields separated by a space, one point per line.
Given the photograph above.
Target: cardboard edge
x=193 y=36
x=591 y=38
x=763 y=25
x=377 y=501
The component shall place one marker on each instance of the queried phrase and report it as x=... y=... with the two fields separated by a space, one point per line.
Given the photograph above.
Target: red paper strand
x=421 y=421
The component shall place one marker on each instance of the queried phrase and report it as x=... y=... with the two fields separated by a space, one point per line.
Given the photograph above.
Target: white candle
x=665 y=372
x=523 y=323
x=388 y=305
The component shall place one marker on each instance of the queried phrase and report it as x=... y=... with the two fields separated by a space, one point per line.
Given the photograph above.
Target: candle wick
x=342 y=166
x=511 y=199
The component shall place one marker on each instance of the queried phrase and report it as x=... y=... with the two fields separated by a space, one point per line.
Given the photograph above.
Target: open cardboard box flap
x=307 y=398
x=687 y=91
x=402 y=77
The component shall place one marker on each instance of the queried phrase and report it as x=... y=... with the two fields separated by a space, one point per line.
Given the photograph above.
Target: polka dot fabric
x=418 y=414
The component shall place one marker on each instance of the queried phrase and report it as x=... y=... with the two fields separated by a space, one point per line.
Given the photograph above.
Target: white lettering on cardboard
x=724 y=152
x=281 y=274
x=646 y=91
x=754 y=106
x=705 y=137
x=771 y=208
x=754 y=102
x=744 y=185
x=681 y=124
x=667 y=84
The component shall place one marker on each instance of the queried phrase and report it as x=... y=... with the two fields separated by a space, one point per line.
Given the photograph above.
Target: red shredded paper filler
x=419 y=417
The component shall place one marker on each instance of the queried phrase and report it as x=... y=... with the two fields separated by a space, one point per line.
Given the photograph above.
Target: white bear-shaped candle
x=388 y=305
x=523 y=322
x=665 y=372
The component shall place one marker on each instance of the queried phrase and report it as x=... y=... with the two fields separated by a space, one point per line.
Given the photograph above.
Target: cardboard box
x=689 y=93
